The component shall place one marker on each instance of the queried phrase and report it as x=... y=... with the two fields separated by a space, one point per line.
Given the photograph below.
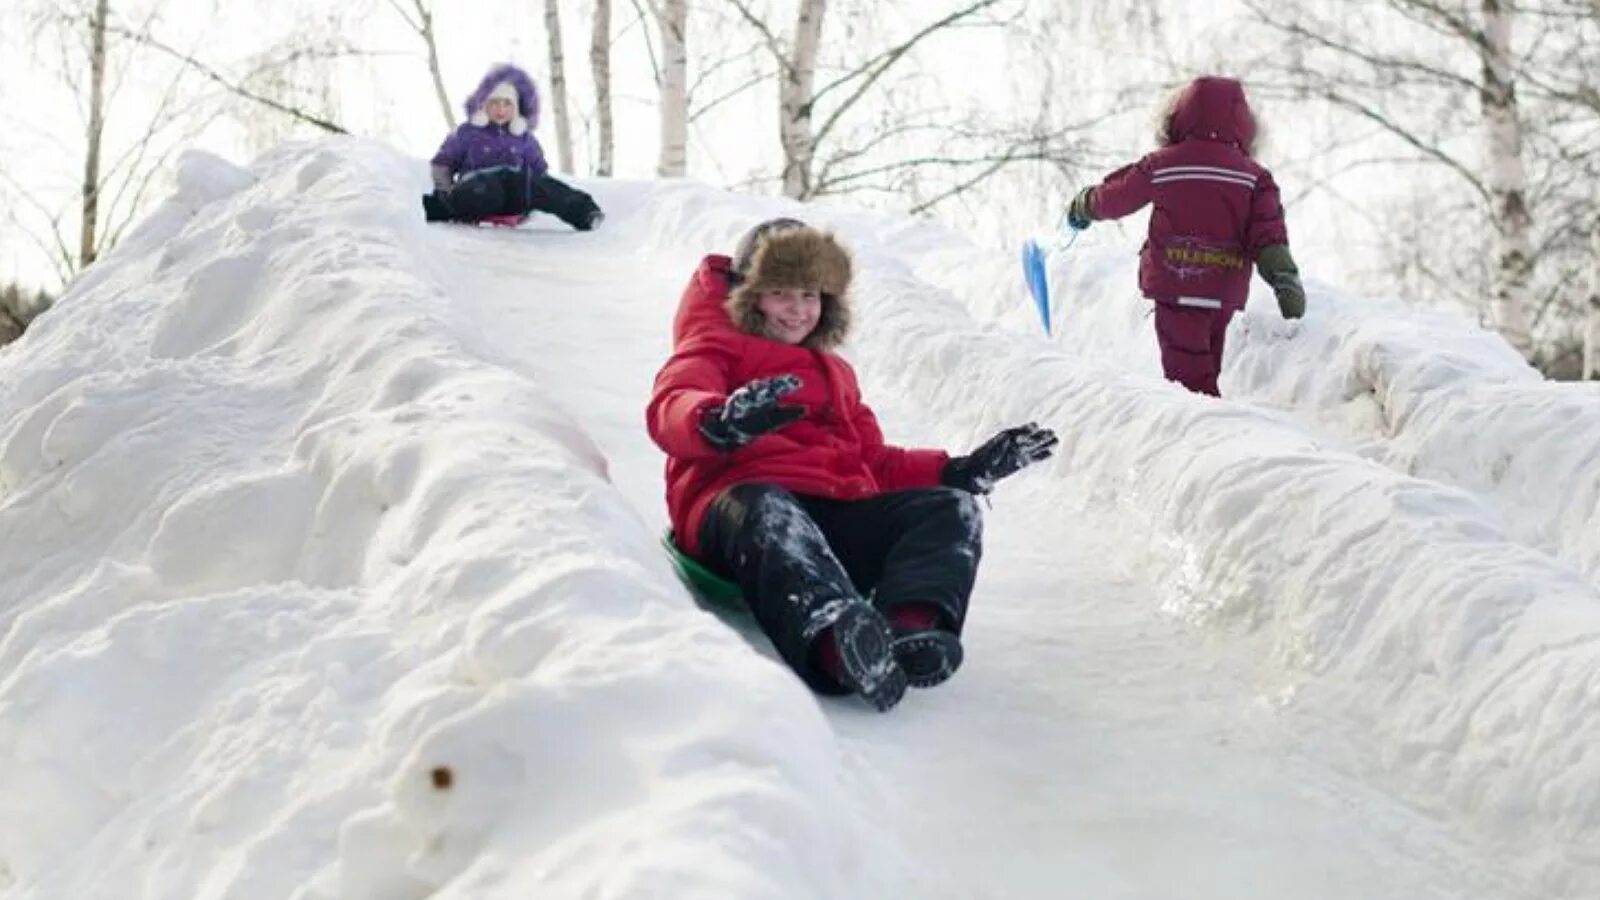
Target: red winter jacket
x=836 y=450
x=1215 y=207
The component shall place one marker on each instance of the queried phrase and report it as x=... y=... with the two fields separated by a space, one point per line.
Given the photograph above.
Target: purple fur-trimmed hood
x=478 y=144
x=527 y=97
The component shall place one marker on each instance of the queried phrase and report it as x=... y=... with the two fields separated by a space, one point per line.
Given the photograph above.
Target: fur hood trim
x=497 y=82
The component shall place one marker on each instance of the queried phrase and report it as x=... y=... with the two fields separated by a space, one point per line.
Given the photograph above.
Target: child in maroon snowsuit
x=1215 y=212
x=856 y=556
x=492 y=165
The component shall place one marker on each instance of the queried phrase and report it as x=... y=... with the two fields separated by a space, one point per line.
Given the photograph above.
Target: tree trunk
x=1513 y=248
x=558 y=85
x=425 y=16
x=794 y=101
x=91 y=161
x=1591 y=319
x=600 y=65
x=672 y=17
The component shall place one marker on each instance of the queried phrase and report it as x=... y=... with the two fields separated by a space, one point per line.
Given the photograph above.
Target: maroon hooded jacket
x=836 y=450
x=1214 y=207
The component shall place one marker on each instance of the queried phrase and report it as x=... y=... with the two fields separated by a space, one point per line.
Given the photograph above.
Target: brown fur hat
x=797 y=258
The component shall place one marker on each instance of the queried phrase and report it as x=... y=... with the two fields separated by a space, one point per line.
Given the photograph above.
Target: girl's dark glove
x=749 y=412
x=1000 y=456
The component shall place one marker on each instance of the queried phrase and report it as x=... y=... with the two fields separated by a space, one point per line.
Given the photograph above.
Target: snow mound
x=304 y=599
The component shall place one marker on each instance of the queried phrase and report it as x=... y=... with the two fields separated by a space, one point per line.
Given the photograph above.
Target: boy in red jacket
x=779 y=478
x=1215 y=211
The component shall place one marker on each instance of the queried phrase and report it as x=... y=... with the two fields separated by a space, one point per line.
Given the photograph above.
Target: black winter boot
x=436 y=207
x=866 y=661
x=929 y=657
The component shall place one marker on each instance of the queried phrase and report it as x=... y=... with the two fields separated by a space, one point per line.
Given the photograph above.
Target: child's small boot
x=857 y=651
x=928 y=653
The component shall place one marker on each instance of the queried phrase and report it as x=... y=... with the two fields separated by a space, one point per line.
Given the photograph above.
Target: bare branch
x=874 y=69
x=58 y=252
x=412 y=24
x=154 y=43
x=1383 y=63
x=1444 y=21
x=707 y=72
x=649 y=45
x=727 y=95
x=773 y=44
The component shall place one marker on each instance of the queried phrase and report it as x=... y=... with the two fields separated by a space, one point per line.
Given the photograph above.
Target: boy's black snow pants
x=512 y=192
x=798 y=558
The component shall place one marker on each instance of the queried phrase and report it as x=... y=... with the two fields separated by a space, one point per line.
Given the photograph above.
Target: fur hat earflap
x=505 y=90
x=797 y=258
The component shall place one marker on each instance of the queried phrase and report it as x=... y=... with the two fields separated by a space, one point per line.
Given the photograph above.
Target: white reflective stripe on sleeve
x=1201 y=302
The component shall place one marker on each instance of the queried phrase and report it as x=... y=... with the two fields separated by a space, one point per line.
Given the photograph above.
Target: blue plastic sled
x=1038 y=277
x=1036 y=270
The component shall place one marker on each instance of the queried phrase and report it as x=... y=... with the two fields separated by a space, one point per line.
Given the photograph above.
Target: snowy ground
x=329 y=543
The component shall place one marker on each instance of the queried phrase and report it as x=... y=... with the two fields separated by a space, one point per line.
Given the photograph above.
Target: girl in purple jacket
x=1215 y=211
x=493 y=166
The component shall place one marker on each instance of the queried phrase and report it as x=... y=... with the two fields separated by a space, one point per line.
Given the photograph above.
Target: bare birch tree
x=600 y=69
x=1507 y=182
x=797 y=99
x=811 y=115
x=130 y=131
x=558 y=84
x=672 y=22
x=723 y=72
x=419 y=18
x=110 y=183
x=1591 y=325
x=89 y=193
x=1565 y=78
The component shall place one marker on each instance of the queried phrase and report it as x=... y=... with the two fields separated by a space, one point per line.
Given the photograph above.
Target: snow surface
x=331 y=571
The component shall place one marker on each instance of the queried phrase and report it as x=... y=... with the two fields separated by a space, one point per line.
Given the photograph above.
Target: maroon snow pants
x=1191 y=333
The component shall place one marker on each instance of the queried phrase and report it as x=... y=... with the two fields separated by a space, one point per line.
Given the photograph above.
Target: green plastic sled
x=707 y=586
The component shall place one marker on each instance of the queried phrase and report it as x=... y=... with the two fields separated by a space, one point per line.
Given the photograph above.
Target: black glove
x=436 y=206
x=998 y=457
x=749 y=412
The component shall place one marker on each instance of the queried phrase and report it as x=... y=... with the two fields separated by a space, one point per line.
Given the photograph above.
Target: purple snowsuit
x=486 y=170
x=479 y=144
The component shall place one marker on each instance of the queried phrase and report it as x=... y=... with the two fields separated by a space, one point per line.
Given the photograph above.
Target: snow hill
x=331 y=570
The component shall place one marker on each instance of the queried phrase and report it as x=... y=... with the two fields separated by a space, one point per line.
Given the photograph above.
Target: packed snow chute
x=1036 y=269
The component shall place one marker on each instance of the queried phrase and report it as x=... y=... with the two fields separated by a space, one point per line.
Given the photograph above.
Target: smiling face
x=789 y=314
x=499 y=110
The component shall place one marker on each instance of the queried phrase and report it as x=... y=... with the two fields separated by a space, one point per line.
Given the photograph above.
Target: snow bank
x=305 y=599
